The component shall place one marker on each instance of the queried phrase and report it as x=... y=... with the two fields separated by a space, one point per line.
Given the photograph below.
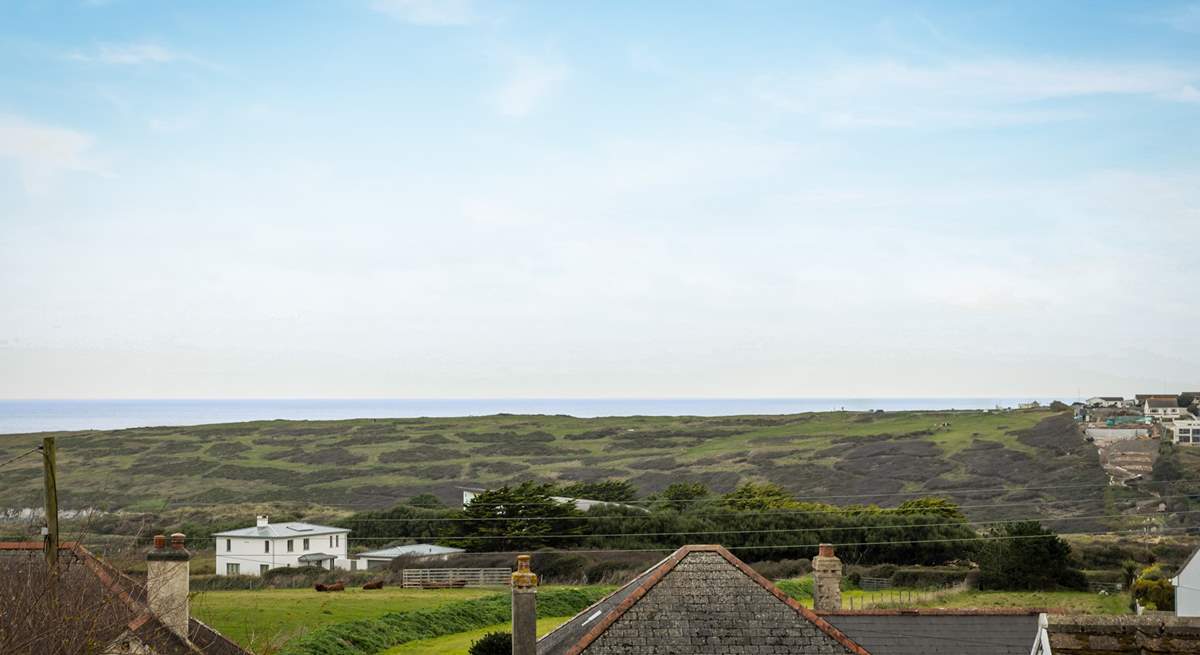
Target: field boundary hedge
x=371 y=636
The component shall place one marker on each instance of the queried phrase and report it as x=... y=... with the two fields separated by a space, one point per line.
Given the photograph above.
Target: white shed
x=378 y=559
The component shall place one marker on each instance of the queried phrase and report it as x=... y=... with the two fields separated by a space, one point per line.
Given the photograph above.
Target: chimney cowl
x=176 y=552
x=825 y=550
x=160 y=541
x=263 y=521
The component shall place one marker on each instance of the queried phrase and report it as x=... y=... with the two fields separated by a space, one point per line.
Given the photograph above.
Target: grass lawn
x=459 y=642
x=264 y=619
x=1076 y=602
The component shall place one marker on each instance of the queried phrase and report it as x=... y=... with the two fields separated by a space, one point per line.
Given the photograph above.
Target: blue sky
x=402 y=198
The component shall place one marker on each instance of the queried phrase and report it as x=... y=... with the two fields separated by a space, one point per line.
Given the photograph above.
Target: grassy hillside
x=377 y=462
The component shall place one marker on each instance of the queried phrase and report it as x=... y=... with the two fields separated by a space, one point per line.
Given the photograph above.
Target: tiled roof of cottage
x=107 y=607
x=701 y=600
x=939 y=632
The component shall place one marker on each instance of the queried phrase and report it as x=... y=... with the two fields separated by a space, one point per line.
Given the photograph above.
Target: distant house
x=111 y=614
x=1187 y=587
x=1163 y=408
x=1185 y=432
x=379 y=559
x=266 y=546
x=1030 y=405
x=1106 y=401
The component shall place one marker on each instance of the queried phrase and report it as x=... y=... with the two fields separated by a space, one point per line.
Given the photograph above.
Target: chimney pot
x=827 y=580
x=167 y=582
x=524 y=608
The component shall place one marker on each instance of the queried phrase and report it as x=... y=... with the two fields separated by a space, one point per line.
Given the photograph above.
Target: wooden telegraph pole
x=48 y=457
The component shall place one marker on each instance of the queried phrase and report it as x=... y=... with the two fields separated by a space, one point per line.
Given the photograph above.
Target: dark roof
x=109 y=606
x=1162 y=402
x=938 y=632
x=699 y=599
x=316 y=557
x=1123 y=635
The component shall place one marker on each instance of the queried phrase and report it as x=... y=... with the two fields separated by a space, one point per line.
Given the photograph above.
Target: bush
x=493 y=643
x=783 y=569
x=928 y=578
x=1025 y=556
x=559 y=566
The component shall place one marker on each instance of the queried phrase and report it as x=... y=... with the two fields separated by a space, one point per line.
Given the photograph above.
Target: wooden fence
x=447 y=578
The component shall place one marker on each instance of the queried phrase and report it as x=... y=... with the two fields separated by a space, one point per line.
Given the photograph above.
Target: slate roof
x=108 y=606
x=1122 y=635
x=703 y=600
x=282 y=531
x=939 y=632
x=1162 y=402
x=410 y=549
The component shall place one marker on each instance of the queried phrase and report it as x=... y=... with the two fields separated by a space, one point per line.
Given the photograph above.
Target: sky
x=418 y=199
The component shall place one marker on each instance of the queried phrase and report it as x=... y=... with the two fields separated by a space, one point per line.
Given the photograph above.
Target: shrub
x=1030 y=558
x=493 y=643
x=928 y=578
x=783 y=569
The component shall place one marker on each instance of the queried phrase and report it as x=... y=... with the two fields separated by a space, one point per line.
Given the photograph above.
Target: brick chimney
x=262 y=521
x=167 y=570
x=524 y=608
x=827 y=580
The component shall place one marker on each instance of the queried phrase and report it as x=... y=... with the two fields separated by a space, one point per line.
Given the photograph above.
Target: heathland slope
x=1005 y=459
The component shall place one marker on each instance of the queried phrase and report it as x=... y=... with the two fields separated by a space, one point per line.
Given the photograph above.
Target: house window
x=337 y=540
x=353 y=565
x=233 y=569
x=266 y=546
x=262 y=569
x=305 y=544
x=331 y=541
x=228 y=545
x=290 y=545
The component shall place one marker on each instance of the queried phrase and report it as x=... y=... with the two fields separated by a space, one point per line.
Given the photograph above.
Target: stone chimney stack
x=827 y=580
x=262 y=521
x=167 y=570
x=524 y=608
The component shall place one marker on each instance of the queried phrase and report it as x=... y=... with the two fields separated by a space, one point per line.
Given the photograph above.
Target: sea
x=25 y=416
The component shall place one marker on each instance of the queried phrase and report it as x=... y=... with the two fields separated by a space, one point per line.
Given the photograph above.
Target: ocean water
x=22 y=416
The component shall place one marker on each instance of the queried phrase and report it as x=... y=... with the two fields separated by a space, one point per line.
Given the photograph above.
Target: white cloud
x=428 y=12
x=981 y=93
x=42 y=152
x=528 y=84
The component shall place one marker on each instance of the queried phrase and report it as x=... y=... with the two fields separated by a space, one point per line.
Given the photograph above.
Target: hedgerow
x=370 y=636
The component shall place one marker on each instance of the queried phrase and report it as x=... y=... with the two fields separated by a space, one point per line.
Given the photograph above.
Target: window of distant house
x=337 y=540
x=290 y=545
x=331 y=541
x=262 y=569
x=232 y=569
x=305 y=544
x=228 y=545
x=266 y=546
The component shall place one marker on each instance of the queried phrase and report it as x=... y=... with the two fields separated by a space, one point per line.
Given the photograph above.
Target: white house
x=1106 y=401
x=1185 y=431
x=1187 y=587
x=266 y=546
x=1163 y=408
x=378 y=559
x=581 y=504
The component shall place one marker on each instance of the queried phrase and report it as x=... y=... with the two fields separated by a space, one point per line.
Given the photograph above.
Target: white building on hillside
x=1163 y=408
x=1186 y=432
x=1106 y=401
x=379 y=559
x=266 y=546
x=581 y=504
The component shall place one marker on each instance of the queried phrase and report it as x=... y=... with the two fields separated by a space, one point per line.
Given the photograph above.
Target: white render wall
x=1187 y=589
x=248 y=554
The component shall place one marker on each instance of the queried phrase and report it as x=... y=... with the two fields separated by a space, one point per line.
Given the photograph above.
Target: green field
x=309 y=465
x=264 y=619
x=458 y=643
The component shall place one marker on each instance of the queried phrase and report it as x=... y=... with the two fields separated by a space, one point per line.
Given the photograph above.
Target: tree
x=1153 y=590
x=759 y=496
x=613 y=491
x=1025 y=556
x=517 y=518
x=1059 y=406
x=932 y=506
x=492 y=643
x=426 y=501
x=681 y=496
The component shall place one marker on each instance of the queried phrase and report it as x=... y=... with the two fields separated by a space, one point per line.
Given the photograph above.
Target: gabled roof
x=410 y=549
x=1191 y=558
x=282 y=531
x=939 y=632
x=109 y=606
x=699 y=599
